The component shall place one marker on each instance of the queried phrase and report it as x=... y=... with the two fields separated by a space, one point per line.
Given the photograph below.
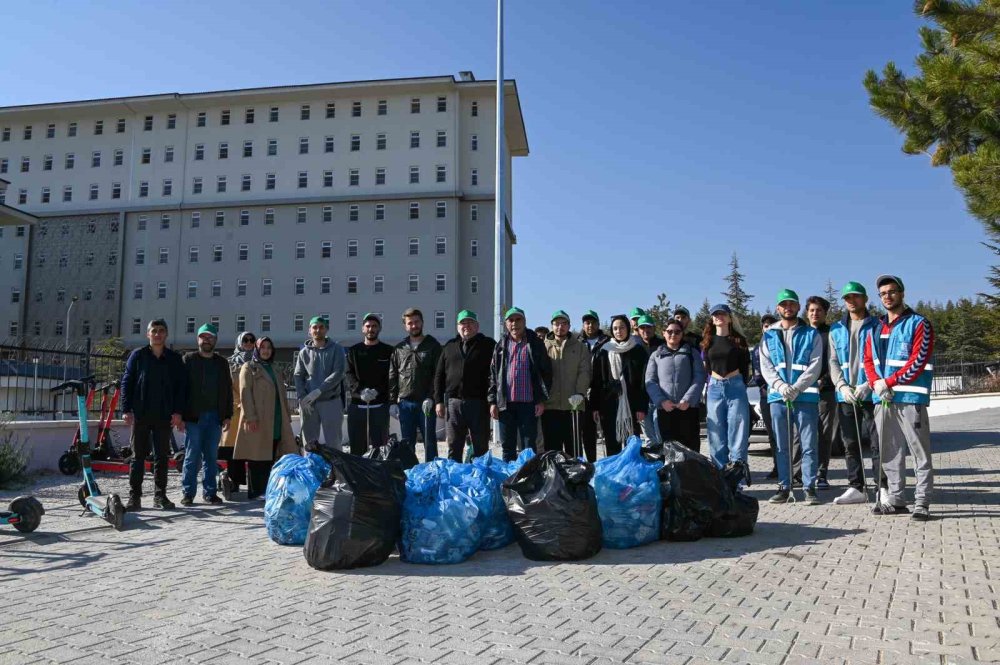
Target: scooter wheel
x=114 y=513
x=126 y=453
x=30 y=510
x=69 y=464
x=82 y=494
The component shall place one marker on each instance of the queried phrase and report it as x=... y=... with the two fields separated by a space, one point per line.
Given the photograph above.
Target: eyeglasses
x=888 y=294
x=674 y=332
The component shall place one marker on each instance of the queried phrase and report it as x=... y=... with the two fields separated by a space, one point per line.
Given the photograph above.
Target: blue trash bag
x=522 y=458
x=440 y=521
x=290 y=490
x=628 y=497
x=481 y=481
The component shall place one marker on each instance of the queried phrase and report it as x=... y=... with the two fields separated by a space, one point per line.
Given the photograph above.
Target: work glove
x=427 y=406
x=575 y=402
x=883 y=390
x=862 y=393
x=368 y=395
x=786 y=391
x=394 y=411
x=310 y=398
x=847 y=393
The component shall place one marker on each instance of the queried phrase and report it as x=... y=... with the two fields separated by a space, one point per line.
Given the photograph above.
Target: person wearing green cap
x=855 y=408
x=461 y=384
x=571 y=368
x=411 y=383
x=650 y=342
x=595 y=338
x=520 y=380
x=368 y=364
x=791 y=353
x=209 y=410
x=319 y=385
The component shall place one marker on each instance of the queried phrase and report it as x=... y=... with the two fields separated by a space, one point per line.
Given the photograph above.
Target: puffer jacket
x=571 y=370
x=411 y=371
x=678 y=376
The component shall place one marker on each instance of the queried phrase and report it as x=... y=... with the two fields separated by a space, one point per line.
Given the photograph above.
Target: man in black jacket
x=209 y=410
x=520 y=380
x=592 y=335
x=154 y=395
x=461 y=383
x=829 y=426
x=368 y=370
x=411 y=383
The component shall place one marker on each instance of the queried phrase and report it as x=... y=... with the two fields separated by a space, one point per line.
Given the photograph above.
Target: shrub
x=14 y=456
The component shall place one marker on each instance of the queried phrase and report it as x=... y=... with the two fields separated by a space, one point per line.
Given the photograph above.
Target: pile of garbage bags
x=356 y=513
x=440 y=521
x=288 y=500
x=628 y=497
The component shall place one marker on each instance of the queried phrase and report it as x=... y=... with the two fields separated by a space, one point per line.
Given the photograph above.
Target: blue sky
x=664 y=136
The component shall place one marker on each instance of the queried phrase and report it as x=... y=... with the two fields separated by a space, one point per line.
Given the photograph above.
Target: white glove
x=368 y=395
x=575 y=401
x=786 y=390
x=394 y=411
x=310 y=398
x=883 y=390
x=848 y=394
x=427 y=406
x=862 y=393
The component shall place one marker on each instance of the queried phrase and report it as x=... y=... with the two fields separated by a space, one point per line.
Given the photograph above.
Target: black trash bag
x=694 y=494
x=395 y=450
x=554 y=509
x=356 y=514
x=741 y=517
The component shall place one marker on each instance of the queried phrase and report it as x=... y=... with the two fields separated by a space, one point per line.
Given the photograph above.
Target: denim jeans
x=805 y=418
x=518 y=429
x=728 y=420
x=411 y=418
x=202 y=449
x=650 y=427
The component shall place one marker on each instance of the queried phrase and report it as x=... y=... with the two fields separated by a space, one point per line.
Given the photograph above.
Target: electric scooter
x=109 y=507
x=25 y=514
x=69 y=461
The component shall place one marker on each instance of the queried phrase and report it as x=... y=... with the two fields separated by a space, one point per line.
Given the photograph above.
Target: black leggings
x=259 y=471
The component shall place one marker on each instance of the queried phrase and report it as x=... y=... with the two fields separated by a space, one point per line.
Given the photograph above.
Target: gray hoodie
x=678 y=376
x=321 y=368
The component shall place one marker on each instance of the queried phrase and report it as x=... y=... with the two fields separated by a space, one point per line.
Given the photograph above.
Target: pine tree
x=836 y=310
x=660 y=312
x=736 y=297
x=701 y=319
x=949 y=111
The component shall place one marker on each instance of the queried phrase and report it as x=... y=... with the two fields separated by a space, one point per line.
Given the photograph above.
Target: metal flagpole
x=499 y=220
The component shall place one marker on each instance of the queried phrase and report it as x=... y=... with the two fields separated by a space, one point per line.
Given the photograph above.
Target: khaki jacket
x=571 y=370
x=229 y=435
x=257 y=403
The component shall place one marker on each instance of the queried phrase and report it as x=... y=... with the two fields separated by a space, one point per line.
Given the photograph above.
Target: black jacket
x=464 y=375
x=653 y=345
x=368 y=367
x=154 y=387
x=539 y=364
x=411 y=372
x=605 y=390
x=826 y=384
x=194 y=364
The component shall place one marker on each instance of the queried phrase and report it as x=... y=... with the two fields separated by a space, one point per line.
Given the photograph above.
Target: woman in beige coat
x=265 y=426
x=236 y=472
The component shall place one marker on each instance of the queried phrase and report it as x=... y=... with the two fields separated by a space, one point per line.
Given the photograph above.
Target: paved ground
x=813 y=584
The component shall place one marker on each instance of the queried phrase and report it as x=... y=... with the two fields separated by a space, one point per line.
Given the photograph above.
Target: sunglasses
x=674 y=332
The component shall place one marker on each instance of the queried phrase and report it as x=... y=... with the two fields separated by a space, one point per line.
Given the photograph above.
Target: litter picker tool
x=575 y=402
x=368 y=395
x=427 y=406
x=791 y=439
x=861 y=455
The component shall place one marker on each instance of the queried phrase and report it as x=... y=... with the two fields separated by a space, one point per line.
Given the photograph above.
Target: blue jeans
x=805 y=417
x=202 y=444
x=411 y=418
x=650 y=426
x=518 y=429
x=728 y=420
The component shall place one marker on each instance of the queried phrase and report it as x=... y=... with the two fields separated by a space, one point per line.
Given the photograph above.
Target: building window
x=70 y=160
x=195 y=220
x=110 y=294
x=474 y=142
x=300 y=215
x=243 y=253
x=246 y=182
x=116 y=190
x=196 y=185
x=441 y=173
x=248 y=116
x=22 y=197
x=304 y=145
x=328 y=178
x=352 y=248
x=224 y=117
x=351 y=321
x=19 y=261
x=413 y=284
x=141 y=222
x=442 y=105
x=439 y=320
x=147 y=124
x=380 y=142
x=441 y=208
x=192 y=291
x=414 y=175
x=474 y=213
x=217 y=253
x=164 y=256
x=168 y=154
x=414 y=210
x=304 y=112
x=300 y=286
x=356 y=110
x=120 y=126
x=168 y=187
x=414 y=139
x=265 y=287
x=379 y=212
x=380 y=176
x=223 y=150
x=220 y=218
x=199 y=152
x=414 y=247
x=189 y=325
x=415 y=105
x=171 y=121
x=475 y=109
x=298 y=323
x=137 y=291
x=442 y=139
x=303 y=179
x=474 y=177
x=140 y=257
x=67 y=194
x=136 y=326
x=27 y=133
x=193 y=254
x=161 y=290
x=216 y=288
x=379 y=247
x=272 y=115
x=269 y=181
x=241 y=287
x=248 y=149
x=383 y=107
x=328 y=144
x=378 y=284
x=355 y=142
x=474 y=285
x=45 y=195
x=244 y=218
x=146 y=158
x=220 y=184
x=4 y=163
x=331 y=110
x=26 y=164
x=95 y=159
x=440 y=245
x=241 y=322
x=439 y=282
x=272 y=147
x=474 y=246
x=300 y=250
x=6 y=135
x=60 y=329
x=353 y=178
x=352 y=212
x=85 y=327
x=324 y=285
x=265 y=323
x=94 y=192
x=327 y=213
x=326 y=249
x=352 y=284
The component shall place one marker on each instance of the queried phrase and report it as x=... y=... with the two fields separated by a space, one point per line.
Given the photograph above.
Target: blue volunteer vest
x=898 y=348
x=840 y=341
x=802 y=343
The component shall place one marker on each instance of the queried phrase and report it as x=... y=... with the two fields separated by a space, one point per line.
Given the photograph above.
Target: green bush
x=13 y=457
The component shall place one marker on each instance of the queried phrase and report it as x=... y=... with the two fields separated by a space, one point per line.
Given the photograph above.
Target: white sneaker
x=850 y=495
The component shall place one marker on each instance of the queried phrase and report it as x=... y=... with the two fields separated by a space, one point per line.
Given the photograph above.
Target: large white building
x=256 y=208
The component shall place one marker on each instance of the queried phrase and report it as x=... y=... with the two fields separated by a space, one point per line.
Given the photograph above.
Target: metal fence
x=966 y=378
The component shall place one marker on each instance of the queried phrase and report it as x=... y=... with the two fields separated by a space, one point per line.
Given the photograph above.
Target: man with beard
x=592 y=335
x=816 y=311
x=411 y=383
x=571 y=368
x=319 y=385
x=368 y=372
x=209 y=410
x=461 y=382
x=683 y=316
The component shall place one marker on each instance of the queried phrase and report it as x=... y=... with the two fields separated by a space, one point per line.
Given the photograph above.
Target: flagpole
x=499 y=219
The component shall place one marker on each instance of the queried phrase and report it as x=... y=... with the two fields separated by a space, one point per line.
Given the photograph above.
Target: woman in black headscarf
x=618 y=390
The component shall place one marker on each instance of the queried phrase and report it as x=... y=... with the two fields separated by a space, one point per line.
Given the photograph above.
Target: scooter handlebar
x=79 y=386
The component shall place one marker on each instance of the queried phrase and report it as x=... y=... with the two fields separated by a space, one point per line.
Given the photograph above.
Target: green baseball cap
x=853 y=288
x=512 y=311
x=560 y=314
x=636 y=312
x=208 y=329
x=787 y=294
x=467 y=314
x=319 y=320
x=645 y=320
x=590 y=314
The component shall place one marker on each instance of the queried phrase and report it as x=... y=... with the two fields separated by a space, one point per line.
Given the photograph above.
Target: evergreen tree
x=949 y=111
x=836 y=309
x=660 y=312
x=701 y=318
x=736 y=297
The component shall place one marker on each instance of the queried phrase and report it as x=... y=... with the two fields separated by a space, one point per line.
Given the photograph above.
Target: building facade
x=257 y=209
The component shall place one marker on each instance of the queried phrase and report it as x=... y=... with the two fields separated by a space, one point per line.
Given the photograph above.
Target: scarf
x=256 y=351
x=623 y=419
x=240 y=357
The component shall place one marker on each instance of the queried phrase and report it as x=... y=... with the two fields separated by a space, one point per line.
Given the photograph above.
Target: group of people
x=867 y=379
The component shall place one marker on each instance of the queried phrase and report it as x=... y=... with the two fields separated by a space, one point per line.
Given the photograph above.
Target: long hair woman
x=618 y=397
x=727 y=361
